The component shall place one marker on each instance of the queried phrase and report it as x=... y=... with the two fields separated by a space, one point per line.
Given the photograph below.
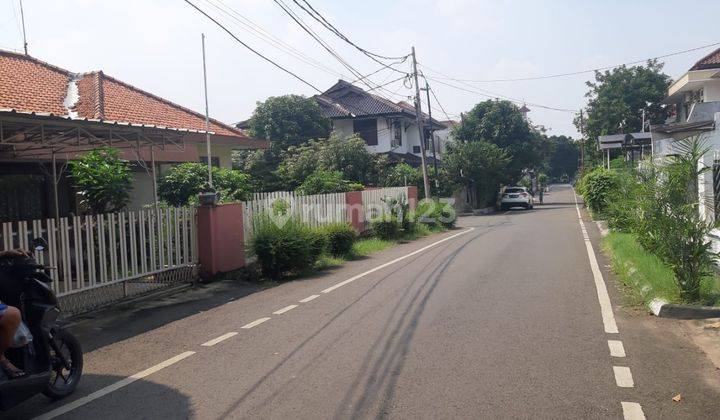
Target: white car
x=516 y=197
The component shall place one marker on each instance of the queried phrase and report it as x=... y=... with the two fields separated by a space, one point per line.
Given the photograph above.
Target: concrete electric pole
x=418 y=115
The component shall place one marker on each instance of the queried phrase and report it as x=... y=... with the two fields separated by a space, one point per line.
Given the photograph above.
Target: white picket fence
x=89 y=252
x=317 y=210
x=374 y=200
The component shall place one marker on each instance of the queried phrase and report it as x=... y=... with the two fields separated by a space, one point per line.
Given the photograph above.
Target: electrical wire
x=574 y=73
x=493 y=95
x=259 y=32
x=251 y=48
x=321 y=19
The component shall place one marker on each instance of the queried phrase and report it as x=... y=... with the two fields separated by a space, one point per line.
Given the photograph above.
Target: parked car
x=516 y=197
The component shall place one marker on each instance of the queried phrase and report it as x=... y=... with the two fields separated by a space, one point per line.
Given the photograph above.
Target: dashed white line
x=623 y=377
x=616 y=348
x=219 y=339
x=113 y=387
x=285 y=309
x=254 y=323
x=603 y=297
x=632 y=411
x=396 y=260
x=309 y=298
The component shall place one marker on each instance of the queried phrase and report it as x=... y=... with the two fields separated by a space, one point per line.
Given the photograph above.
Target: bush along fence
x=225 y=231
x=97 y=259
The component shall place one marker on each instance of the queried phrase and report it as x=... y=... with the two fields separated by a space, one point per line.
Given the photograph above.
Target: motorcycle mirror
x=39 y=244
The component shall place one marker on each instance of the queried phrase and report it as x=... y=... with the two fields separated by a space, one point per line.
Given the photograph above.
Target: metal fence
x=98 y=258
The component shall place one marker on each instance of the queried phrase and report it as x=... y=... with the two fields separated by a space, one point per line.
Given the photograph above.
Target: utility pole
x=582 y=142
x=207 y=119
x=418 y=118
x=432 y=137
x=22 y=18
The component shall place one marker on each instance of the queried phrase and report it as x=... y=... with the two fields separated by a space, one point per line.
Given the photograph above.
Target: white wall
x=385 y=135
x=711 y=91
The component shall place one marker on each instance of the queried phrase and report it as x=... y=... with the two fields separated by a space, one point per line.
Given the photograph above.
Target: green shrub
x=340 y=238
x=596 y=187
x=286 y=248
x=103 y=180
x=327 y=182
x=385 y=228
x=182 y=183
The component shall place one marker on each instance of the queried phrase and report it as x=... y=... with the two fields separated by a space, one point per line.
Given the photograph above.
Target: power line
x=574 y=73
x=436 y=100
x=493 y=95
x=252 y=49
x=321 y=19
x=259 y=32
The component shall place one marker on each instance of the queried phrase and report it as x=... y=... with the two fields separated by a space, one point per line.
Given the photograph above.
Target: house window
x=416 y=149
x=397 y=133
x=367 y=129
x=215 y=161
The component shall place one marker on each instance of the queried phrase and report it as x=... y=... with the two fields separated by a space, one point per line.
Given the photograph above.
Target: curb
x=661 y=308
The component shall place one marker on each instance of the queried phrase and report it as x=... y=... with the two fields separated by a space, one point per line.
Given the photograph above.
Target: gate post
x=355 y=210
x=412 y=194
x=221 y=242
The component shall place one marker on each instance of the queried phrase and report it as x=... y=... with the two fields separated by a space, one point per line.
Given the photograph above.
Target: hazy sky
x=155 y=45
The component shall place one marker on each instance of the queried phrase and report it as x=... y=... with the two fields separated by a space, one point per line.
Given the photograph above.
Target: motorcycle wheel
x=63 y=381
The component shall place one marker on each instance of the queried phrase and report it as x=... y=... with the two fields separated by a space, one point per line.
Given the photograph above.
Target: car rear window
x=514 y=190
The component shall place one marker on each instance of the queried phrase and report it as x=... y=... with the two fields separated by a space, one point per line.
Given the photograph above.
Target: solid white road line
x=603 y=297
x=632 y=411
x=254 y=323
x=623 y=377
x=309 y=298
x=616 y=348
x=219 y=339
x=396 y=260
x=285 y=309
x=113 y=387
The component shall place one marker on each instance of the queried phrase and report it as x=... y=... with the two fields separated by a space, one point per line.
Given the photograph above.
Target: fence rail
x=88 y=252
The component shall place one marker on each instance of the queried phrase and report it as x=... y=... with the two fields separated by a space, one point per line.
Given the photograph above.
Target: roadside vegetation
x=287 y=248
x=662 y=247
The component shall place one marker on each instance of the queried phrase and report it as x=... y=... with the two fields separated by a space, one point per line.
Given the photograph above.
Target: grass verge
x=646 y=276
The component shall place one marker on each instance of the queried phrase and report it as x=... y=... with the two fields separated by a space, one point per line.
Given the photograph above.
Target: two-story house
x=695 y=102
x=386 y=127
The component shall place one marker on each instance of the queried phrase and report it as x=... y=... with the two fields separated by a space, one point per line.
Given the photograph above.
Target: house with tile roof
x=695 y=102
x=49 y=114
x=385 y=126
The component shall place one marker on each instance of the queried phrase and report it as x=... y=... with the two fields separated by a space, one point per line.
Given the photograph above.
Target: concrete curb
x=478 y=212
x=663 y=309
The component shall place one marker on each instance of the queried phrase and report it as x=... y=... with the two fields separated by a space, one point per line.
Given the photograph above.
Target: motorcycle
x=50 y=356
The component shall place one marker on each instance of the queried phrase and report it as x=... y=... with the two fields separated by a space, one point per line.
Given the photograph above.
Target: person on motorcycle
x=10 y=319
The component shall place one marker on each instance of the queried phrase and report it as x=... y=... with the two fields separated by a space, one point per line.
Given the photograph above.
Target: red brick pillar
x=221 y=242
x=355 y=210
x=412 y=193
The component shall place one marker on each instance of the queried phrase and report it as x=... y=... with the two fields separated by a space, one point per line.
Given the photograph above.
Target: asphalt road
x=500 y=320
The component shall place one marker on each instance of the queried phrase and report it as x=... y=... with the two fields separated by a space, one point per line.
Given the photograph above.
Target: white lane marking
x=285 y=309
x=219 y=339
x=389 y=263
x=113 y=387
x=616 y=348
x=632 y=411
x=603 y=297
x=254 y=323
x=309 y=298
x=623 y=377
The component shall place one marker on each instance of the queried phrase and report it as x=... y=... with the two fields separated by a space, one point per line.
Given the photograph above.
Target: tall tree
x=617 y=97
x=289 y=120
x=478 y=166
x=502 y=124
x=564 y=155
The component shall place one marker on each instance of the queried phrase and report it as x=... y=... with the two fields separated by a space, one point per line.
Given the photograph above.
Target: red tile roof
x=710 y=61
x=30 y=85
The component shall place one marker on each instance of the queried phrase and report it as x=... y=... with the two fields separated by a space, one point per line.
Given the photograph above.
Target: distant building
x=385 y=126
